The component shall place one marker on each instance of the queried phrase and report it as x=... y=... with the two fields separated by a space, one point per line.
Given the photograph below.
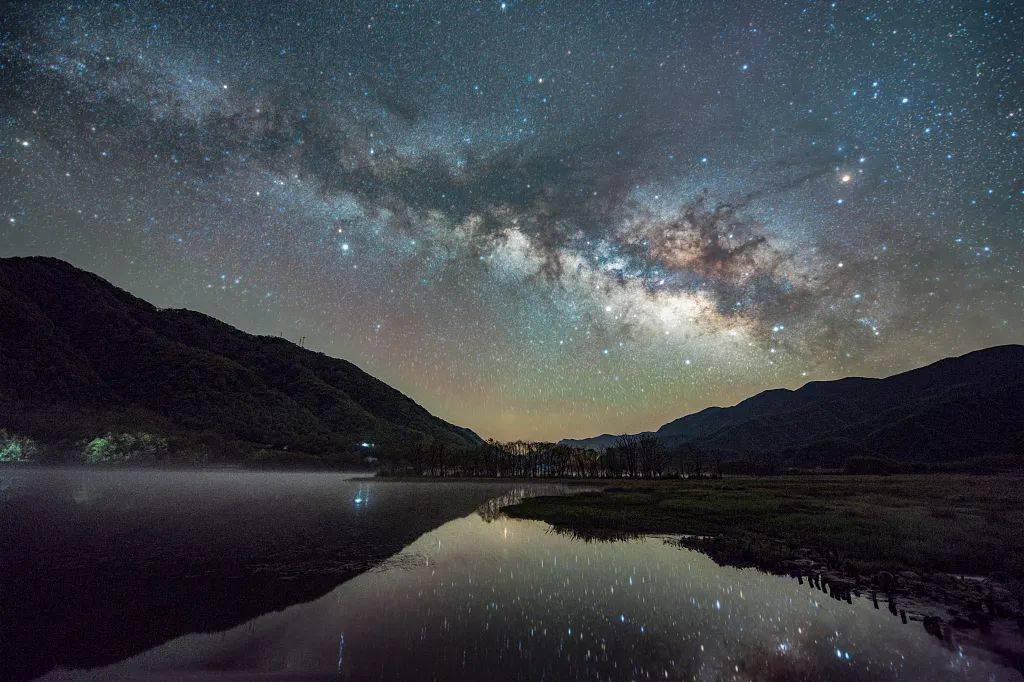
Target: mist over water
x=142 y=574
x=103 y=564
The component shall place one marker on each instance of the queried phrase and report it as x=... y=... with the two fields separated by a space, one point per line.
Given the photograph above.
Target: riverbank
x=952 y=540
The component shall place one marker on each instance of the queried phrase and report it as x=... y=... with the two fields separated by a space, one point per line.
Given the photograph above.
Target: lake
x=237 y=574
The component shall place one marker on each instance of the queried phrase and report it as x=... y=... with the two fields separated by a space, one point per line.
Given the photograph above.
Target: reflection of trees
x=595 y=534
x=491 y=509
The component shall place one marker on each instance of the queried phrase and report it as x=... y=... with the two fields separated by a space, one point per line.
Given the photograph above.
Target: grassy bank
x=860 y=524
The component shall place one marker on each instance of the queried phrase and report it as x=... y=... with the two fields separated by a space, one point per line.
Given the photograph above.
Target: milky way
x=537 y=219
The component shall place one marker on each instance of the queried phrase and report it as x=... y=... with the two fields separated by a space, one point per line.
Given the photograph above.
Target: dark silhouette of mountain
x=80 y=357
x=954 y=409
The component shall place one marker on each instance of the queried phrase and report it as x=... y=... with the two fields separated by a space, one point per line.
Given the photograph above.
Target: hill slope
x=955 y=408
x=80 y=357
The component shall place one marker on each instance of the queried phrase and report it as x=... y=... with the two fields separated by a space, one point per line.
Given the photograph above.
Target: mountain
x=954 y=409
x=80 y=358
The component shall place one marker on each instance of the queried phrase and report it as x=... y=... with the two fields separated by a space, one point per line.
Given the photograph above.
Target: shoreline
x=777 y=526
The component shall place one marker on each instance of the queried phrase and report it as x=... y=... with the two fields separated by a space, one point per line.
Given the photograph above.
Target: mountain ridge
x=954 y=407
x=79 y=357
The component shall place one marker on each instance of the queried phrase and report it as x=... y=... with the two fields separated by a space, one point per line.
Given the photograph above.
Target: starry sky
x=537 y=219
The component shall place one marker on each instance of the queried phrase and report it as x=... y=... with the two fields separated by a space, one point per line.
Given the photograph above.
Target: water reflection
x=100 y=565
x=485 y=597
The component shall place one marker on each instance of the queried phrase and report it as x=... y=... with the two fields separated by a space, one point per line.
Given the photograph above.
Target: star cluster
x=537 y=219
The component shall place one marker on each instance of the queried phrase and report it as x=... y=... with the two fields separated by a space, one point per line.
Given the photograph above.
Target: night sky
x=538 y=220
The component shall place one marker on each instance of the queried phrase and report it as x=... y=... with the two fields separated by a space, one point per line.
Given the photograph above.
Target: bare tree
x=689 y=460
x=437 y=456
x=650 y=455
x=629 y=451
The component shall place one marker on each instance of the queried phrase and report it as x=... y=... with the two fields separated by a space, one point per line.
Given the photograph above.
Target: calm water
x=472 y=595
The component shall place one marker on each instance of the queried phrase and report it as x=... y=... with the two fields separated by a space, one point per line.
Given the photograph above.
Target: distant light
x=344 y=247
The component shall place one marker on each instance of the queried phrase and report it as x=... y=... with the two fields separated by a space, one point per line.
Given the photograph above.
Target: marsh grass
x=950 y=523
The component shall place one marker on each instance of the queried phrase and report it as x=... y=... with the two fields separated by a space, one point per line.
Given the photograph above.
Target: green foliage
x=125 y=448
x=15 y=448
x=266 y=456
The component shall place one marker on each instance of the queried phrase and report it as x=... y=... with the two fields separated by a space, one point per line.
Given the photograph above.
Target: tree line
x=640 y=456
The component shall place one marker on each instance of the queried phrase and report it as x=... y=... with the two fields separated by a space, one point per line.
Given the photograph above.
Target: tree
x=689 y=459
x=650 y=456
x=629 y=451
x=437 y=458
